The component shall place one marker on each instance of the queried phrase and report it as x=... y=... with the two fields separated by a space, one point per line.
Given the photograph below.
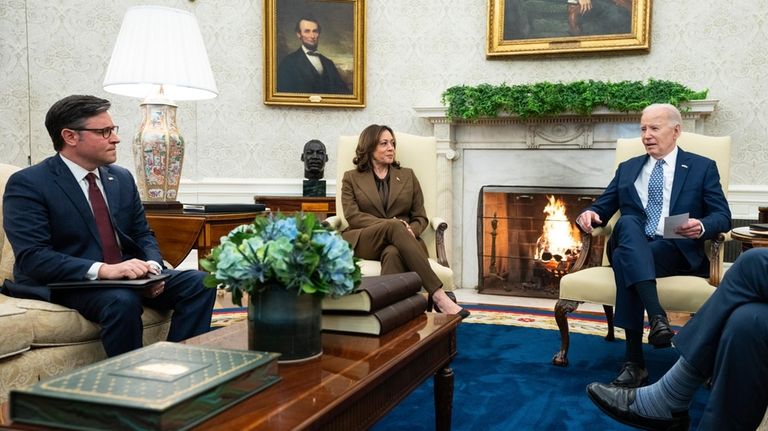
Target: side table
x=322 y=207
x=179 y=232
x=748 y=239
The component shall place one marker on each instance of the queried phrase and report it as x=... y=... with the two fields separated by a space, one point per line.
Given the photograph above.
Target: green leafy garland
x=546 y=98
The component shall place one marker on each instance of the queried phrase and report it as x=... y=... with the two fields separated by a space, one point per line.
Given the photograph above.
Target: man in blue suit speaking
x=666 y=181
x=77 y=216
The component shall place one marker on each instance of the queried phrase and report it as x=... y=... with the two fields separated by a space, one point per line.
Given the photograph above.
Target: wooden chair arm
x=586 y=244
x=334 y=222
x=440 y=226
x=586 y=249
x=601 y=230
x=716 y=248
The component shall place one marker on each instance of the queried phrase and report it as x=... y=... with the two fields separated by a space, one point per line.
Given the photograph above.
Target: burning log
x=559 y=245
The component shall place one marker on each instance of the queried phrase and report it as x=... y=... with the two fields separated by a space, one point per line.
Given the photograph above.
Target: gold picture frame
x=326 y=66
x=533 y=27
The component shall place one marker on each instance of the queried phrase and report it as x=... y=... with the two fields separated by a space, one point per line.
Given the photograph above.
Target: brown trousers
x=392 y=244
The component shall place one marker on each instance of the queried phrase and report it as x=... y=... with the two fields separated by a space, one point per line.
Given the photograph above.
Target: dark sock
x=634 y=347
x=671 y=394
x=650 y=297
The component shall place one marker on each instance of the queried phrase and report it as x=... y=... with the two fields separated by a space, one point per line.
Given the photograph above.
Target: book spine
x=391 y=288
x=396 y=314
x=77 y=414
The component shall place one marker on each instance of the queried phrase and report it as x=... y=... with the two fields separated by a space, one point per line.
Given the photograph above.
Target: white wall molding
x=745 y=199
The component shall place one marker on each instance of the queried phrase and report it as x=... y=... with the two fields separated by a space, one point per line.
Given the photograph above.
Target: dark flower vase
x=285 y=322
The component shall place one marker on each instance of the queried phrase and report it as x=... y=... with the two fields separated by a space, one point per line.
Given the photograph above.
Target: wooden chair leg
x=609 y=319
x=562 y=308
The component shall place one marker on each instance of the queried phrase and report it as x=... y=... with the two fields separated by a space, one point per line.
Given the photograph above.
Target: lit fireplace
x=526 y=238
x=559 y=245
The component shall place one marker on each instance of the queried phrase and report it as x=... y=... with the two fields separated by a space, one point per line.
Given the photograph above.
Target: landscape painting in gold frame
x=321 y=64
x=533 y=27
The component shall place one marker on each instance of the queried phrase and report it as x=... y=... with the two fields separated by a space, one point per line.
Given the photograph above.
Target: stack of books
x=377 y=306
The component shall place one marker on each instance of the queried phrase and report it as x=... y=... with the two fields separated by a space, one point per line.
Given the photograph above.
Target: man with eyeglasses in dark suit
x=77 y=216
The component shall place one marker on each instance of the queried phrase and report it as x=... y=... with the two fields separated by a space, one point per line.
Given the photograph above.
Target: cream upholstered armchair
x=420 y=154
x=678 y=293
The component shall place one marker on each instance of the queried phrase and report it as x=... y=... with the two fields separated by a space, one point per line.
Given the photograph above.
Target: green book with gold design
x=165 y=386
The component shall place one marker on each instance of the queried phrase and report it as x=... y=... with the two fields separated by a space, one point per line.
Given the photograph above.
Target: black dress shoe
x=661 y=334
x=463 y=313
x=631 y=376
x=615 y=402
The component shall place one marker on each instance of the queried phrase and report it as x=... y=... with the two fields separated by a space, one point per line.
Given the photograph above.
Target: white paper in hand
x=673 y=222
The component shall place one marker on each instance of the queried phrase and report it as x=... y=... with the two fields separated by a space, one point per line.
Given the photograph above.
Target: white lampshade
x=160 y=46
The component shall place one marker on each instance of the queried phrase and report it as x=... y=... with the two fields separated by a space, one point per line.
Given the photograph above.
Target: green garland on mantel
x=547 y=98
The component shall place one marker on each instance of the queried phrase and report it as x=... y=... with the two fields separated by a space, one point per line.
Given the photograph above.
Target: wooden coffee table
x=355 y=383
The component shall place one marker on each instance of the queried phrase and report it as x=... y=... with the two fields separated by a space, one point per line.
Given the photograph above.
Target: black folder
x=138 y=283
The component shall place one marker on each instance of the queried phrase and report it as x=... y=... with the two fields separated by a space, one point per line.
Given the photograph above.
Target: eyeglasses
x=105 y=132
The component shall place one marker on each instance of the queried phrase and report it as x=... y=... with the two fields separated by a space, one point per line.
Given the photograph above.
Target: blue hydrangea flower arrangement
x=296 y=252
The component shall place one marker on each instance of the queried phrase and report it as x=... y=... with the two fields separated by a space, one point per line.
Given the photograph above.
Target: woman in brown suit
x=384 y=206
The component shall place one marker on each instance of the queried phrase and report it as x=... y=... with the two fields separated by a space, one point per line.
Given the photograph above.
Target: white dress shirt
x=641 y=184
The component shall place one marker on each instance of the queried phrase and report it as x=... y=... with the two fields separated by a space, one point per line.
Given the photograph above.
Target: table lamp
x=159 y=56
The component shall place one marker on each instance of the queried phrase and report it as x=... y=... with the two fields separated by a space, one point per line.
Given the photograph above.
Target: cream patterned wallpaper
x=415 y=49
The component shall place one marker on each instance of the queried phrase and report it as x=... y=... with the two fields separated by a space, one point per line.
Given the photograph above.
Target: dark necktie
x=314 y=53
x=382 y=185
x=655 y=198
x=110 y=249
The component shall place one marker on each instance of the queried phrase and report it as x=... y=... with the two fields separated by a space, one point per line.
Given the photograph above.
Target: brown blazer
x=362 y=204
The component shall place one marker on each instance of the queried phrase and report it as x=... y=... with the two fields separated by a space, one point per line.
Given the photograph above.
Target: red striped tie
x=110 y=249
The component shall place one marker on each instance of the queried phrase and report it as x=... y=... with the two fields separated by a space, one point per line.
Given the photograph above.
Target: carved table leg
x=609 y=319
x=562 y=308
x=443 y=398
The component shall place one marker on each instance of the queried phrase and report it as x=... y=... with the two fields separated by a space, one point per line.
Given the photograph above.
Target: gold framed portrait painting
x=531 y=27
x=314 y=53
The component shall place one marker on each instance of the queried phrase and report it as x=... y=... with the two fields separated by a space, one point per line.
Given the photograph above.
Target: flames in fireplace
x=526 y=242
x=559 y=246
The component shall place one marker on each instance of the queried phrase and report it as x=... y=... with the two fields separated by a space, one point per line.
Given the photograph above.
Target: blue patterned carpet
x=505 y=381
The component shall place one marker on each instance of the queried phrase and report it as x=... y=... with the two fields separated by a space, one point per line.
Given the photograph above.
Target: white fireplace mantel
x=507 y=150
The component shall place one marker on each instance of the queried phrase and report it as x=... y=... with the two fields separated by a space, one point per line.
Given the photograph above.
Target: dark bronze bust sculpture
x=314 y=157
